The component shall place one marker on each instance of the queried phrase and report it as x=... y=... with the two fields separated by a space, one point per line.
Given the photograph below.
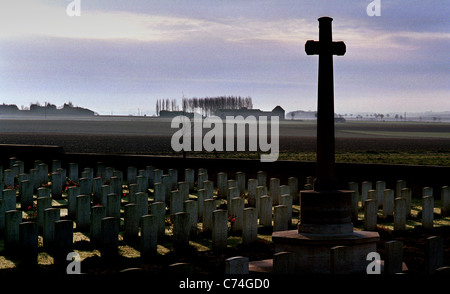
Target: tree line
x=207 y=105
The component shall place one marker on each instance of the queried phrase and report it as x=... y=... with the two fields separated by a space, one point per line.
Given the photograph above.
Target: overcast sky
x=120 y=56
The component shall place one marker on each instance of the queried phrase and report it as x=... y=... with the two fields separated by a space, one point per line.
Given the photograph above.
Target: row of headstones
x=21 y=238
x=396 y=203
x=86 y=216
x=284 y=262
x=139 y=181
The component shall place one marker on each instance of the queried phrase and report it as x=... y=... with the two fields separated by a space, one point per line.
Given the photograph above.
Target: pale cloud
x=32 y=18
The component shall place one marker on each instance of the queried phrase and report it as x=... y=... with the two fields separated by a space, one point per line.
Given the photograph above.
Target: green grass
x=388 y=157
x=402 y=134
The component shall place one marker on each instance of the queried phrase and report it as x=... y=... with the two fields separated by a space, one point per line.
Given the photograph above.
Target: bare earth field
x=368 y=142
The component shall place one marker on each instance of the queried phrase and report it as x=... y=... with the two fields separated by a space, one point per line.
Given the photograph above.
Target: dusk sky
x=121 y=56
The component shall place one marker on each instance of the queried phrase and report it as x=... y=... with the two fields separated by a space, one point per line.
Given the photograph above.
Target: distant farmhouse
x=48 y=109
x=223 y=113
x=245 y=112
x=172 y=114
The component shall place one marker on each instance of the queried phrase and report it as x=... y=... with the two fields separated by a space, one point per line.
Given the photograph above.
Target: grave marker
x=72 y=193
x=131 y=223
x=82 y=216
x=370 y=215
x=158 y=210
x=394 y=257
x=73 y=171
x=380 y=186
x=160 y=192
x=293 y=188
x=280 y=220
x=237 y=265
x=181 y=230
x=399 y=185
x=57 y=185
x=406 y=193
x=149 y=236
x=176 y=202
x=445 y=201
x=189 y=176
x=399 y=214
x=250 y=227
x=340 y=260
x=275 y=190
x=265 y=215
x=287 y=201
x=42 y=204
x=261 y=177
x=26 y=194
x=209 y=205
x=240 y=179
x=131 y=175
x=427 y=212
x=388 y=202
x=9 y=196
x=237 y=212
x=98 y=212
x=222 y=179
x=219 y=230
x=51 y=215
x=190 y=207
x=28 y=240
x=12 y=220
x=251 y=184
x=63 y=241
x=113 y=205
x=283 y=263
x=434 y=254
x=110 y=238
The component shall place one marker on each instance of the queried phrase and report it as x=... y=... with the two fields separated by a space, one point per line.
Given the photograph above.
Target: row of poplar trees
x=207 y=105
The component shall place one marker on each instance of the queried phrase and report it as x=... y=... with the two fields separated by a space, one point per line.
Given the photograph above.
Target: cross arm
x=313 y=48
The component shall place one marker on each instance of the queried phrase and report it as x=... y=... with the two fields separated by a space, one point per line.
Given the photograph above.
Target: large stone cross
x=325 y=48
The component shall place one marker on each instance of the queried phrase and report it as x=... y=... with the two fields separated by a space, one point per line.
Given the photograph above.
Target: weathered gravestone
x=181 y=231
x=63 y=241
x=98 y=212
x=12 y=220
x=445 y=201
x=149 y=236
x=110 y=238
x=434 y=254
x=28 y=239
x=51 y=215
x=219 y=230
x=237 y=265
x=326 y=211
x=158 y=210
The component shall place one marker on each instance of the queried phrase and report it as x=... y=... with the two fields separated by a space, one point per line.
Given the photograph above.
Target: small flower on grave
x=29 y=207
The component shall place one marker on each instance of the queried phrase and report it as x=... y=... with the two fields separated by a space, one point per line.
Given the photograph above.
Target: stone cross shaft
x=325 y=48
